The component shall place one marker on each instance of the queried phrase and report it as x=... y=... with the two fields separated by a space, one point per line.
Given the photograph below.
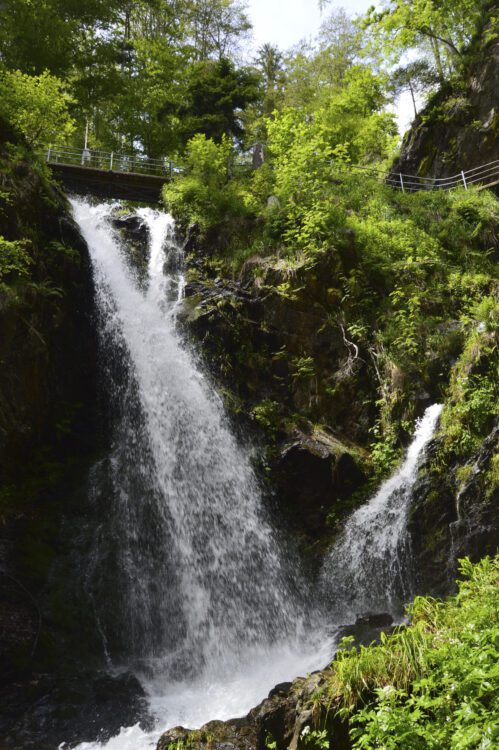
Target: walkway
x=122 y=176
x=110 y=175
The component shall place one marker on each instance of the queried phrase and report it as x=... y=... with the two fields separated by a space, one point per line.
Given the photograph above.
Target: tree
x=446 y=26
x=217 y=27
x=316 y=72
x=417 y=77
x=217 y=91
x=339 y=44
x=269 y=63
x=46 y=34
x=36 y=106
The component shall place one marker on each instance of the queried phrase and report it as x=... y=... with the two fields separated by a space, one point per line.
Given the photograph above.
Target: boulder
x=133 y=226
x=280 y=718
x=368 y=628
x=316 y=473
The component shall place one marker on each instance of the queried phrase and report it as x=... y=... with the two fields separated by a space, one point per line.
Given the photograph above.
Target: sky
x=286 y=22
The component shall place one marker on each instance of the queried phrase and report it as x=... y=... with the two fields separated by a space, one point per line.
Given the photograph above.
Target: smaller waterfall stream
x=369 y=567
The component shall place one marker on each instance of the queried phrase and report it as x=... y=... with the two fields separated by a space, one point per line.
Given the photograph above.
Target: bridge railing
x=484 y=175
x=110 y=161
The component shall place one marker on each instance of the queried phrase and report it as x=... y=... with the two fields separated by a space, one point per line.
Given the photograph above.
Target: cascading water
x=369 y=566
x=189 y=584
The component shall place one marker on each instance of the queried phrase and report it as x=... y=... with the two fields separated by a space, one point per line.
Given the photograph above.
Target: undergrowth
x=433 y=684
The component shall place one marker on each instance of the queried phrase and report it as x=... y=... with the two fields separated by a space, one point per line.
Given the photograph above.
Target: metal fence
x=485 y=175
x=111 y=161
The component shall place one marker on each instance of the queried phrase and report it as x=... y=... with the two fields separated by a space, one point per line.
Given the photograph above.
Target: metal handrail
x=113 y=161
x=412 y=183
x=110 y=161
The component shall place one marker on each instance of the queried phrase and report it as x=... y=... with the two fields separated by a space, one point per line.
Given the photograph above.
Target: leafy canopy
x=36 y=106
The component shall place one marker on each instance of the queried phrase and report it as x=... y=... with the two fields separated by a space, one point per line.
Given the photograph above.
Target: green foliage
x=474 y=389
x=14 y=260
x=303 y=368
x=433 y=684
x=204 y=195
x=49 y=35
x=36 y=106
x=316 y=739
x=268 y=414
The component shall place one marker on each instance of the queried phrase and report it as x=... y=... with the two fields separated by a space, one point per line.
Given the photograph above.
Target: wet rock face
x=458 y=130
x=282 y=718
x=134 y=232
x=449 y=521
x=48 y=396
x=45 y=711
x=284 y=367
x=313 y=475
x=48 y=349
x=476 y=531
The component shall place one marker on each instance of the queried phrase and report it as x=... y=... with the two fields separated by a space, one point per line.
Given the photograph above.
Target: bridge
x=107 y=174
x=138 y=178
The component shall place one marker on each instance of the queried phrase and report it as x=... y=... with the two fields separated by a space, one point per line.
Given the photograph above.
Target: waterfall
x=369 y=566
x=190 y=586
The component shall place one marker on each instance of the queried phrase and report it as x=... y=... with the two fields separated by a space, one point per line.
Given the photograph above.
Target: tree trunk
x=413 y=98
x=438 y=59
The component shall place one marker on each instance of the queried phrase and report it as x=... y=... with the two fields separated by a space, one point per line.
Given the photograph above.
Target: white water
x=190 y=585
x=369 y=566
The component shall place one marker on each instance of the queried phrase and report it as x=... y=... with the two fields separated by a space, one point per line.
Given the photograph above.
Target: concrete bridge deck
x=110 y=175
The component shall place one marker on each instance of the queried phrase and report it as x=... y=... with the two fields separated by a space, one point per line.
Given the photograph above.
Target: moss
x=491 y=479
x=463 y=473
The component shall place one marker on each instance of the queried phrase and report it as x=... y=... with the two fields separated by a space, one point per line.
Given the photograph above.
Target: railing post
x=464 y=180
x=111 y=161
x=402 y=182
x=171 y=170
x=48 y=153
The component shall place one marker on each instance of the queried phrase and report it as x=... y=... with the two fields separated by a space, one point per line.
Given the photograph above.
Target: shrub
x=432 y=685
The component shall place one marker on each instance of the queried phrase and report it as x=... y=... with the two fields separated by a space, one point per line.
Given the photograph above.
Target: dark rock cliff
x=458 y=129
x=47 y=389
x=286 y=370
x=450 y=519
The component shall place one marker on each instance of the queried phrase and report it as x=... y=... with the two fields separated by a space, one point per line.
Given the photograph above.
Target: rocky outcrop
x=284 y=718
x=458 y=129
x=273 y=338
x=451 y=519
x=285 y=368
x=315 y=476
